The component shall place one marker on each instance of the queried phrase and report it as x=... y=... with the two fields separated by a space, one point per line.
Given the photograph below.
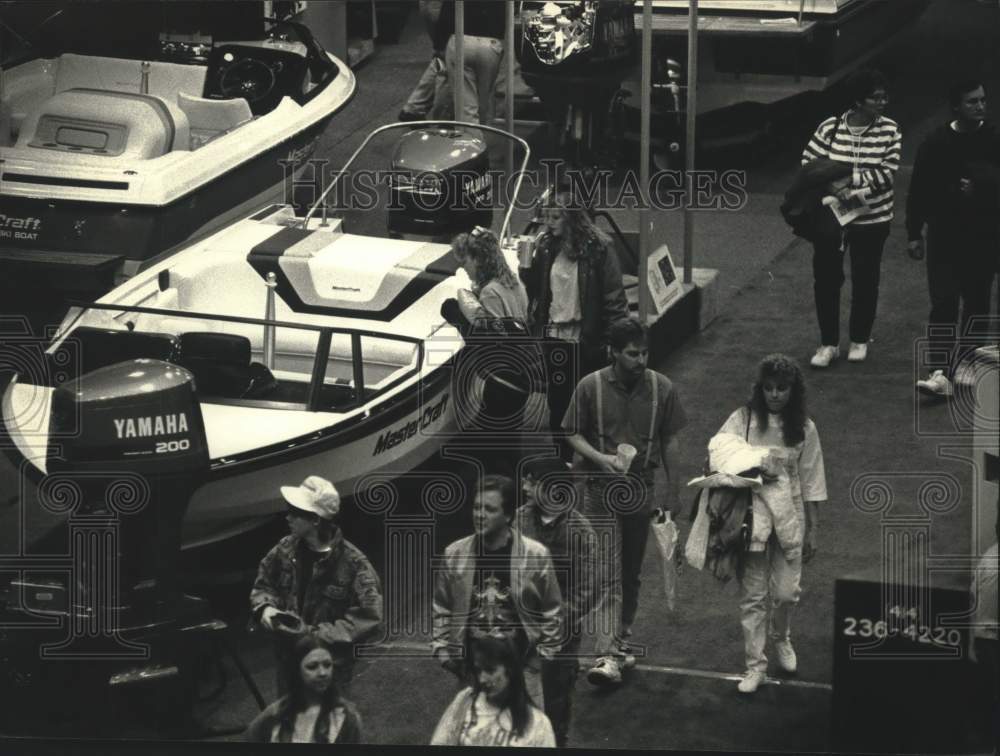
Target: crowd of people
x=951 y=211
x=511 y=599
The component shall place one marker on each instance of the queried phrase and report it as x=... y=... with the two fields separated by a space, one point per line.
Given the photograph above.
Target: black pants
x=558 y=679
x=865 y=244
x=960 y=267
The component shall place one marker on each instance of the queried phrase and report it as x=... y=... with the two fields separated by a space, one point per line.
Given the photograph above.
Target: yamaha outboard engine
x=139 y=452
x=127 y=448
x=440 y=183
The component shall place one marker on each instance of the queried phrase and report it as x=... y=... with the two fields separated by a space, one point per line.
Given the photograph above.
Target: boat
x=312 y=348
x=119 y=147
x=764 y=51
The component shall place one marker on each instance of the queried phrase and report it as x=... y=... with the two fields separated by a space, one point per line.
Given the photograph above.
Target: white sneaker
x=751 y=681
x=605 y=672
x=857 y=352
x=936 y=384
x=824 y=356
x=786 y=656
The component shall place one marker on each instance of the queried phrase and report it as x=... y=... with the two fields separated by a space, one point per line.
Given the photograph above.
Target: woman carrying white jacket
x=795 y=481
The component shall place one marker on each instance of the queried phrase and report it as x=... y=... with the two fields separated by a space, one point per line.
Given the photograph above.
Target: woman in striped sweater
x=871 y=144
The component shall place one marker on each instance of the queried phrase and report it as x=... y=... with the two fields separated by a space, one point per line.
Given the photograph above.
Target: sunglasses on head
x=478 y=231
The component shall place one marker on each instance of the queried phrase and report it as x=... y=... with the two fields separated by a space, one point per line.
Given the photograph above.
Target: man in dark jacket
x=954 y=195
x=547 y=515
x=317 y=576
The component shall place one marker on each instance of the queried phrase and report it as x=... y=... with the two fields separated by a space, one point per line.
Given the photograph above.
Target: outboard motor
x=139 y=453
x=127 y=448
x=575 y=55
x=440 y=183
x=577 y=38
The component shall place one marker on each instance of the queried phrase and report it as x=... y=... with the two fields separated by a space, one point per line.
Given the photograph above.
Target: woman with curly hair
x=496 y=710
x=500 y=293
x=313 y=711
x=503 y=362
x=575 y=291
x=782 y=537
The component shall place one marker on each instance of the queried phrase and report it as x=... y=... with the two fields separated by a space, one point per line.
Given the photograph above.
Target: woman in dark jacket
x=575 y=293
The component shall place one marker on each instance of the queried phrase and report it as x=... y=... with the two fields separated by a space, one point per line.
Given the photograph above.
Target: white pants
x=478 y=80
x=770 y=591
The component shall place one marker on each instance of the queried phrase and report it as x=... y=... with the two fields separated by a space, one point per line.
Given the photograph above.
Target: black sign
x=901 y=676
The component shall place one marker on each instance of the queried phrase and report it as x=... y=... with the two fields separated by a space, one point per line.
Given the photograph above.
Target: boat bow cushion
x=107 y=123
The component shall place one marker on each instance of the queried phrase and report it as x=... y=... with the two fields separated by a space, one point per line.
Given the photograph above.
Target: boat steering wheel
x=248 y=78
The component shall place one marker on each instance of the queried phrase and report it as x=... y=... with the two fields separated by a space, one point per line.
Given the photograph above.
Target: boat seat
x=209 y=119
x=106 y=123
x=220 y=363
x=99 y=347
x=122 y=75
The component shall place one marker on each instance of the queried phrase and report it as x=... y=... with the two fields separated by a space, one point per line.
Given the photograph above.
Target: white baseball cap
x=316 y=495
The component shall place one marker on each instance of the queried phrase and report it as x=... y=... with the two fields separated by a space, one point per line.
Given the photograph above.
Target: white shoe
x=857 y=352
x=786 y=656
x=751 y=681
x=824 y=356
x=936 y=384
x=605 y=672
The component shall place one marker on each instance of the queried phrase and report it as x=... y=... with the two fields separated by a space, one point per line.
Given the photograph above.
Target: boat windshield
x=243 y=361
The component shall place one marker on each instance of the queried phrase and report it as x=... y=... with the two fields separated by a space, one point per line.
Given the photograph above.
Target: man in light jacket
x=496 y=581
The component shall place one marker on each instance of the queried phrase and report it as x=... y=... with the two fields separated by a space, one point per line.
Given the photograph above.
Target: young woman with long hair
x=500 y=293
x=575 y=292
x=784 y=511
x=313 y=711
x=496 y=709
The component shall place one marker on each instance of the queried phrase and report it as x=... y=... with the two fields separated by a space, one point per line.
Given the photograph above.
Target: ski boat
x=113 y=159
x=313 y=350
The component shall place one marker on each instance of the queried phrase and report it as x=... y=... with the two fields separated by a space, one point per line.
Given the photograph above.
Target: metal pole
x=645 y=215
x=692 y=117
x=271 y=283
x=509 y=93
x=458 y=74
x=802 y=8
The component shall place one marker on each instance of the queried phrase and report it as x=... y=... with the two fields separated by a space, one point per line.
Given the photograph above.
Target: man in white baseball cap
x=315 y=581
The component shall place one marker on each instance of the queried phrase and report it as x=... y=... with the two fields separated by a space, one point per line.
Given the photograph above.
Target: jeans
x=865 y=244
x=960 y=266
x=425 y=94
x=558 y=678
x=770 y=590
x=620 y=514
x=478 y=81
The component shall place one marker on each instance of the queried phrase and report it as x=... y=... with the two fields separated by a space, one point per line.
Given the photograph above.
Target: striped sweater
x=874 y=155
